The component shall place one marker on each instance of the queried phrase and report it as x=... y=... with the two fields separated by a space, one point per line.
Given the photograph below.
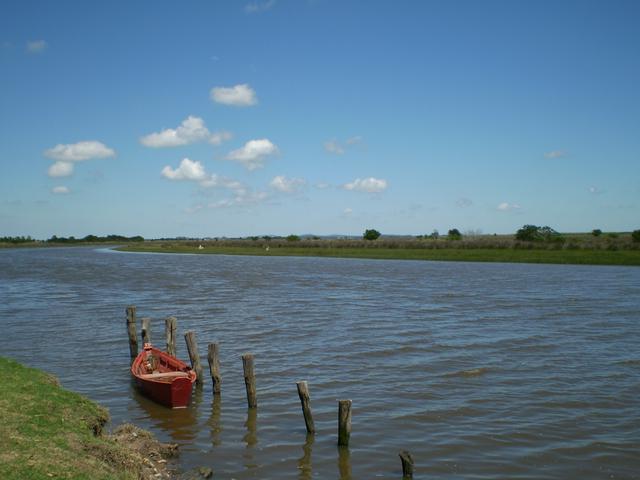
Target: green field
x=402 y=250
x=49 y=432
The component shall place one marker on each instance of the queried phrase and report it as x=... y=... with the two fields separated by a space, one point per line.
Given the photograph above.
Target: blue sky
x=235 y=118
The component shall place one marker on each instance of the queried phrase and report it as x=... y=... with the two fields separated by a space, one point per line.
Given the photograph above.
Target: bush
x=454 y=234
x=371 y=234
x=293 y=238
x=596 y=232
x=635 y=235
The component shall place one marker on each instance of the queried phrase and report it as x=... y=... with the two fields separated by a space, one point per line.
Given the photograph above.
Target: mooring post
x=170 y=334
x=249 y=379
x=192 y=348
x=131 y=329
x=407 y=465
x=214 y=366
x=344 y=422
x=146 y=330
x=303 y=393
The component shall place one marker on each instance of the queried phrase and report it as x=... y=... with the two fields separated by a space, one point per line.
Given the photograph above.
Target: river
x=480 y=370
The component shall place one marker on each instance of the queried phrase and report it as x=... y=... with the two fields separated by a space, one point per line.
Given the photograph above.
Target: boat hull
x=170 y=383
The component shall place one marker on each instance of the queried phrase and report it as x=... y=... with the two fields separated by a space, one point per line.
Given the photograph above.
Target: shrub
x=454 y=234
x=293 y=238
x=635 y=235
x=596 y=232
x=371 y=234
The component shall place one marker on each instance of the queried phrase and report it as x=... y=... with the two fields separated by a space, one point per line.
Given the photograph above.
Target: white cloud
x=257 y=7
x=188 y=170
x=61 y=169
x=76 y=152
x=61 y=190
x=239 y=95
x=191 y=130
x=347 y=212
x=241 y=200
x=508 y=207
x=464 y=202
x=333 y=146
x=216 y=138
x=287 y=185
x=253 y=153
x=368 y=185
x=338 y=148
x=322 y=185
x=556 y=154
x=36 y=46
x=594 y=190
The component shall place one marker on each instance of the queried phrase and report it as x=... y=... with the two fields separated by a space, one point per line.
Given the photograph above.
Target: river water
x=481 y=371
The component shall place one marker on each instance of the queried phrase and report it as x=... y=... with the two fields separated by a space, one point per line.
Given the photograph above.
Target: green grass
x=400 y=252
x=49 y=432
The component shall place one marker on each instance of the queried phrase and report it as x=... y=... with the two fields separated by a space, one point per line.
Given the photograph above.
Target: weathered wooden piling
x=192 y=348
x=407 y=465
x=249 y=379
x=131 y=329
x=170 y=334
x=344 y=422
x=214 y=366
x=303 y=393
x=146 y=330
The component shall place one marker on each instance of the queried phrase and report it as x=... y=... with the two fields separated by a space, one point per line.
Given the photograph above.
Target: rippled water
x=479 y=370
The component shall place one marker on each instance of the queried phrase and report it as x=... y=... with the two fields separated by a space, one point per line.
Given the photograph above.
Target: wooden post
x=170 y=333
x=249 y=379
x=303 y=393
x=407 y=465
x=146 y=330
x=131 y=329
x=192 y=348
x=214 y=366
x=344 y=422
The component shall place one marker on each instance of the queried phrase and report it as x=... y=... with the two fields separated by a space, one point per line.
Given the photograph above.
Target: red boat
x=163 y=378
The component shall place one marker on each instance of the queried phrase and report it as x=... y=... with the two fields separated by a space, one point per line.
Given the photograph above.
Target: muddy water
x=479 y=370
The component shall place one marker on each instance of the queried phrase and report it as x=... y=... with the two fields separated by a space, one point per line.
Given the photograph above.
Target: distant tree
x=596 y=232
x=293 y=238
x=371 y=234
x=454 y=234
x=435 y=234
x=635 y=235
x=532 y=233
x=266 y=238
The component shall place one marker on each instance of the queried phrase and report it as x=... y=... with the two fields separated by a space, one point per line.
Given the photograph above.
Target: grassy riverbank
x=576 y=251
x=49 y=432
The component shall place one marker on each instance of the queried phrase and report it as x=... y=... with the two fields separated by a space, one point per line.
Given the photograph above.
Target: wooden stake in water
x=407 y=465
x=249 y=380
x=192 y=348
x=146 y=330
x=131 y=329
x=303 y=393
x=214 y=366
x=344 y=422
x=170 y=334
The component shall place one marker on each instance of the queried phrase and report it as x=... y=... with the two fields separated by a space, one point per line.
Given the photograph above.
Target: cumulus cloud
x=253 y=153
x=77 y=152
x=556 y=154
x=338 y=148
x=238 y=96
x=257 y=7
x=368 y=185
x=191 y=130
x=194 y=171
x=287 y=185
x=61 y=169
x=36 y=46
x=61 y=190
x=508 y=207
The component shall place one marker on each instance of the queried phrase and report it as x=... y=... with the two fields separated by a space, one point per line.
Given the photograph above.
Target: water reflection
x=344 y=463
x=304 y=463
x=179 y=423
x=214 y=420
x=250 y=438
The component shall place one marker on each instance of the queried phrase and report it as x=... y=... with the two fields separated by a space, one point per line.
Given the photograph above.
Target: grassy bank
x=488 y=250
x=49 y=432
